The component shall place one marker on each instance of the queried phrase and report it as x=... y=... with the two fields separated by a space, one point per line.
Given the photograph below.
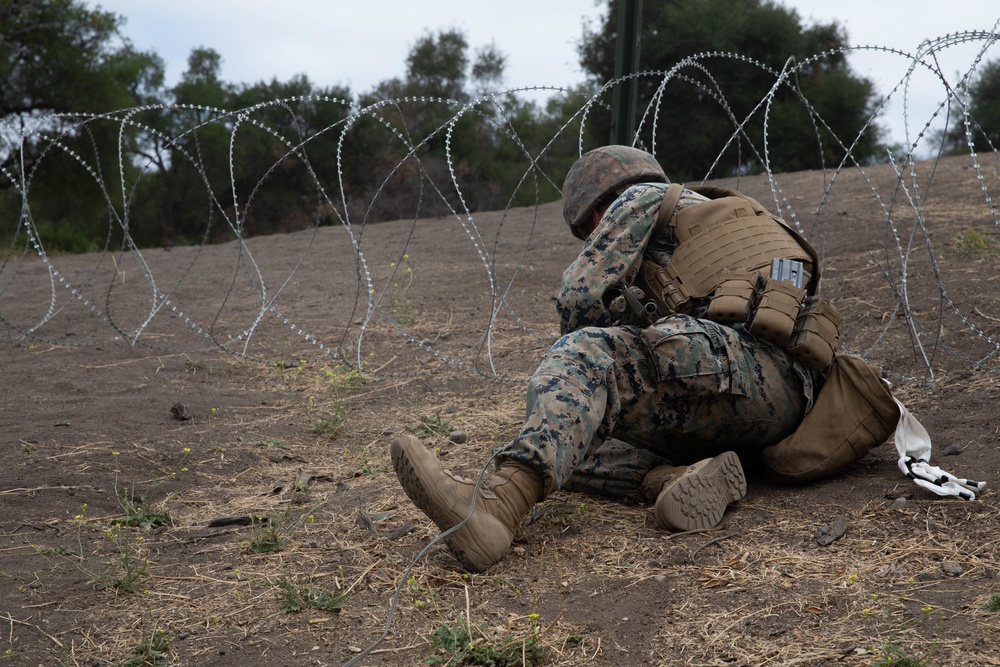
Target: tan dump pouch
x=853 y=413
x=734 y=298
x=816 y=332
x=777 y=311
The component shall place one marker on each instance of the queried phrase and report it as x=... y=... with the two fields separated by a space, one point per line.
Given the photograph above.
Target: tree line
x=95 y=147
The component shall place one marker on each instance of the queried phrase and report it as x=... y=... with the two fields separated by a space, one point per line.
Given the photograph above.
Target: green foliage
x=700 y=113
x=266 y=537
x=138 y=513
x=153 y=651
x=994 y=603
x=896 y=656
x=461 y=643
x=292 y=598
x=973 y=242
x=982 y=104
x=207 y=160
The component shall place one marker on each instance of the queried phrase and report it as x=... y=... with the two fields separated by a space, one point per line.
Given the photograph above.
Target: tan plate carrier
x=725 y=247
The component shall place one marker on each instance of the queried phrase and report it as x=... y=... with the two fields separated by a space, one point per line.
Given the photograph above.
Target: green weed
x=994 y=603
x=271 y=445
x=462 y=643
x=153 y=651
x=271 y=535
x=895 y=656
x=293 y=599
x=139 y=512
x=328 y=420
x=889 y=651
x=126 y=566
x=266 y=537
x=402 y=278
x=974 y=242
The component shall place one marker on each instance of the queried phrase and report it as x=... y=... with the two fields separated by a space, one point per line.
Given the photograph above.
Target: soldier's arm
x=614 y=249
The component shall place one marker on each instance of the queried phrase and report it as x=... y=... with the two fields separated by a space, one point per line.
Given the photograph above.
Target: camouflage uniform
x=609 y=403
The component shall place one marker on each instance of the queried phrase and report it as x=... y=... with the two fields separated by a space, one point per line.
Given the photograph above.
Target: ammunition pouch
x=735 y=298
x=814 y=338
x=777 y=310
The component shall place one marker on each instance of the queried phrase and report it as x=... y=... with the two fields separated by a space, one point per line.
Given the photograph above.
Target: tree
x=982 y=101
x=701 y=107
x=59 y=57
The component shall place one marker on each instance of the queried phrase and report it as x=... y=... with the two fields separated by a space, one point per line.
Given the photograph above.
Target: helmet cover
x=600 y=173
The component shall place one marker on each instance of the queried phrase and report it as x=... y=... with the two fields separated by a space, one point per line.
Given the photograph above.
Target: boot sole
x=699 y=498
x=482 y=541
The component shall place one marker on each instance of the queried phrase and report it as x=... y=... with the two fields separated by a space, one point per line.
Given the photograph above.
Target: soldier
x=643 y=412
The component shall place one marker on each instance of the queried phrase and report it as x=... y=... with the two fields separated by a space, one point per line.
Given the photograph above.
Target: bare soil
x=280 y=430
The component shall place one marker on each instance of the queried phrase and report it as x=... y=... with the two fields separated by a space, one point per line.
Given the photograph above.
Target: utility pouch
x=777 y=310
x=817 y=329
x=854 y=412
x=734 y=299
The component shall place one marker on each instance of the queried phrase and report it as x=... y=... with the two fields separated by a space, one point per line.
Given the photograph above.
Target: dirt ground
x=253 y=464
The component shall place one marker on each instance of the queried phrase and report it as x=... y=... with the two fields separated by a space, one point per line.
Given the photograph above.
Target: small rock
x=952 y=450
x=899 y=503
x=659 y=578
x=951 y=568
x=180 y=411
x=458 y=437
x=518 y=551
x=451 y=409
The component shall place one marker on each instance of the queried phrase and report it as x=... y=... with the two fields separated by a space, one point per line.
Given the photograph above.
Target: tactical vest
x=725 y=249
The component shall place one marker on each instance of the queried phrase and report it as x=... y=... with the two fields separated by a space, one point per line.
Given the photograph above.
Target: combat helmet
x=601 y=173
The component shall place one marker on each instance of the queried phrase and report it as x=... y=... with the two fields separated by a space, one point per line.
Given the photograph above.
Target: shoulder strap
x=667 y=208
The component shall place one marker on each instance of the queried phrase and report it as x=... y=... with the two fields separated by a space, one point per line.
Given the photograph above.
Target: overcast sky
x=360 y=44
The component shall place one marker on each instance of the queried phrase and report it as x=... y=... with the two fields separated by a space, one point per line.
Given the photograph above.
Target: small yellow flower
x=186 y=450
x=115 y=453
x=866 y=611
x=184 y=469
x=927 y=609
x=392 y=265
x=532 y=617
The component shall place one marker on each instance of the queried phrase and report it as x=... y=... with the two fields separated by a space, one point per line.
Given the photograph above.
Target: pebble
x=899 y=503
x=458 y=437
x=951 y=568
x=952 y=450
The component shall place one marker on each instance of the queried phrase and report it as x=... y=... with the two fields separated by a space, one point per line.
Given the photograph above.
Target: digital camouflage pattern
x=609 y=403
x=613 y=250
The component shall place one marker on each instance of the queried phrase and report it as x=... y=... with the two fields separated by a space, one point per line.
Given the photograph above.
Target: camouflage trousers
x=607 y=405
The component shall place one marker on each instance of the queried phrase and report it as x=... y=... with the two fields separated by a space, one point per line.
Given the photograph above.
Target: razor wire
x=250 y=306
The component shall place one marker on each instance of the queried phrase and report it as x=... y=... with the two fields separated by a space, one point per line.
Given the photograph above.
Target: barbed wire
x=248 y=299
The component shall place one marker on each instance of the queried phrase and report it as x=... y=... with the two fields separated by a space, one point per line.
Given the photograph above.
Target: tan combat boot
x=504 y=499
x=695 y=496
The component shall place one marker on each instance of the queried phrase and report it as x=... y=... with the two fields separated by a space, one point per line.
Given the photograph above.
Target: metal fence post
x=623 y=101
